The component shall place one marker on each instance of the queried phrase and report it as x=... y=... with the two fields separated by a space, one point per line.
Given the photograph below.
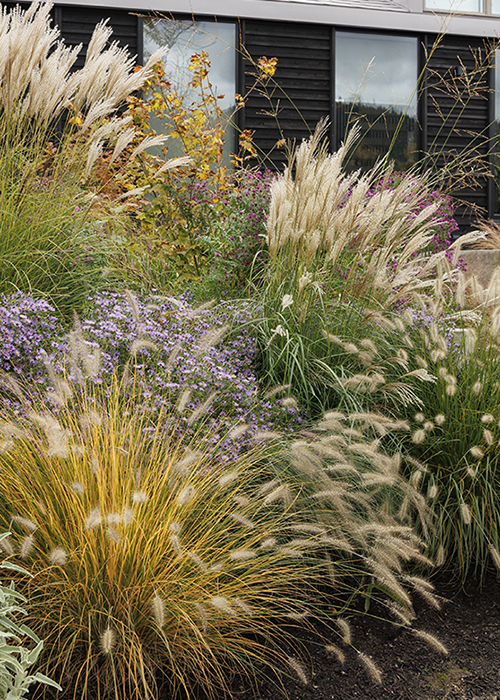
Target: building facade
x=418 y=75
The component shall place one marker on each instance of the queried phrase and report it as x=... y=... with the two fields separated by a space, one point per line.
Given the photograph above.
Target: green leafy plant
x=15 y=658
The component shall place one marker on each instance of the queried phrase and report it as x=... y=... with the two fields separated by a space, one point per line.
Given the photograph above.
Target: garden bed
x=469 y=626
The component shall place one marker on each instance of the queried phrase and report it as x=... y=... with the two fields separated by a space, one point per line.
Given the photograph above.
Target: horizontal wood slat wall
x=301 y=95
x=78 y=23
x=458 y=113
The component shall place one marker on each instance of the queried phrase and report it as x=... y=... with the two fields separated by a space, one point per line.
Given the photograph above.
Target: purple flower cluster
x=178 y=362
x=446 y=327
x=442 y=221
x=27 y=328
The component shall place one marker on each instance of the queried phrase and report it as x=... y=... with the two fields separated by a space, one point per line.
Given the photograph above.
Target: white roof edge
x=467 y=25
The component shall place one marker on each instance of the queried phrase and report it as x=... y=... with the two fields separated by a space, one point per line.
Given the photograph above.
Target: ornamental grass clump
x=154 y=565
x=353 y=234
x=55 y=123
x=455 y=429
x=345 y=256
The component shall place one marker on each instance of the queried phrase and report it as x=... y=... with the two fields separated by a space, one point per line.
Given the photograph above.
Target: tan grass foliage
x=319 y=214
x=162 y=558
x=147 y=564
x=39 y=87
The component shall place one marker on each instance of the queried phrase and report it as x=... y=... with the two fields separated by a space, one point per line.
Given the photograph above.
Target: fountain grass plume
x=152 y=559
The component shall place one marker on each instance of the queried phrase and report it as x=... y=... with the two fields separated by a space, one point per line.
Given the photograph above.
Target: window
x=487 y=7
x=456 y=5
x=368 y=89
x=185 y=38
x=497 y=132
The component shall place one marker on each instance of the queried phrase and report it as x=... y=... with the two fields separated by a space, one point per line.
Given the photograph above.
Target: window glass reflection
x=184 y=39
x=497 y=132
x=455 y=5
x=370 y=90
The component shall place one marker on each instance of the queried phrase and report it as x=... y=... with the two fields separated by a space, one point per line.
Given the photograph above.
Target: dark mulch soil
x=468 y=624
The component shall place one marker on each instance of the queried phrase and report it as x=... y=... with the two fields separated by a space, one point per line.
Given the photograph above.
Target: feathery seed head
x=369 y=345
x=108 y=638
x=487 y=418
x=238 y=431
x=451 y=389
x=333 y=649
x=183 y=400
x=437 y=355
x=222 y=604
x=440 y=556
x=203 y=616
x=197 y=560
x=418 y=436
x=433 y=491
x=421 y=362
x=241 y=500
x=243 y=606
x=140 y=497
x=439 y=419
x=488 y=437
x=26 y=546
x=371 y=667
x=242 y=554
x=176 y=545
x=477 y=452
x=243 y=520
x=158 y=607
x=6 y=546
x=299 y=669
x=228 y=478
x=495 y=555
x=465 y=513
x=25 y=523
x=345 y=630
x=113 y=518
x=431 y=640
x=186 y=495
x=58 y=556
x=93 y=519
x=211 y=339
x=113 y=535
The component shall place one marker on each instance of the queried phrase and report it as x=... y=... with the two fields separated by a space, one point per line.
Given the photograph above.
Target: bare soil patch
x=468 y=624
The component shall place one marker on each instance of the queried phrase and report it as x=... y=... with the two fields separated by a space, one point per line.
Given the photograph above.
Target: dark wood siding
x=300 y=93
x=457 y=116
x=78 y=23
